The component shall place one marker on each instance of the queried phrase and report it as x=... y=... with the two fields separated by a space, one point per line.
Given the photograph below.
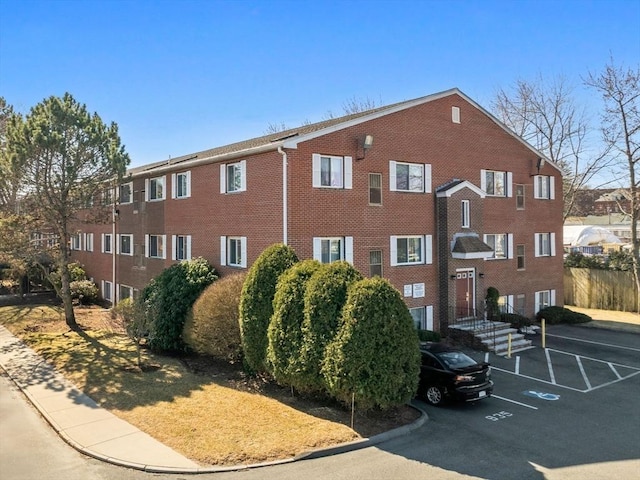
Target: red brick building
x=434 y=194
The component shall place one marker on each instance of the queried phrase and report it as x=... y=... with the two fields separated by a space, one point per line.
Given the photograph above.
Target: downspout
x=284 y=196
x=114 y=216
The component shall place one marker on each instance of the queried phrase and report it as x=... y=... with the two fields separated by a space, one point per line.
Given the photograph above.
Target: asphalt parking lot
x=571 y=408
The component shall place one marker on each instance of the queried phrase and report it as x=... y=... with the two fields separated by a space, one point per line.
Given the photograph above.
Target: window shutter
x=392 y=176
x=536 y=186
x=316 y=167
x=510 y=304
x=188 y=247
x=552 y=244
x=188 y=183
x=552 y=295
x=510 y=245
x=243 y=175
x=243 y=251
x=146 y=246
x=317 y=248
x=429 y=317
x=427 y=178
x=146 y=189
x=393 y=248
x=223 y=178
x=483 y=180
x=428 y=245
x=509 y=185
x=164 y=247
x=348 y=173
x=174 y=247
x=223 y=250
x=536 y=242
x=174 y=185
x=117 y=246
x=552 y=188
x=348 y=249
x=102 y=242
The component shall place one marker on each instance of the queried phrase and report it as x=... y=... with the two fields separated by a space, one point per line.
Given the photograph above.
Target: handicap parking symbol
x=542 y=395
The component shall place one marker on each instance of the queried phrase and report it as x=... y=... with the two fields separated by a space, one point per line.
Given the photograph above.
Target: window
x=154 y=246
x=545 y=244
x=375 y=263
x=505 y=303
x=88 y=242
x=107 y=243
x=520 y=304
x=233 y=177
x=125 y=291
x=422 y=317
x=125 y=244
x=520 y=197
x=332 y=249
x=497 y=184
x=520 y=256
x=107 y=290
x=181 y=185
x=544 y=298
x=409 y=177
x=543 y=187
x=233 y=251
x=155 y=188
x=411 y=250
x=181 y=247
x=375 y=188
x=455 y=114
x=331 y=171
x=126 y=193
x=466 y=220
x=501 y=244
x=107 y=196
x=76 y=241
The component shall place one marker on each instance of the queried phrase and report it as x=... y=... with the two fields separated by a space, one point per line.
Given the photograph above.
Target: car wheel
x=434 y=395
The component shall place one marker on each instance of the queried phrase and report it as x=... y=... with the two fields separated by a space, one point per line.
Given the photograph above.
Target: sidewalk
x=609 y=319
x=96 y=432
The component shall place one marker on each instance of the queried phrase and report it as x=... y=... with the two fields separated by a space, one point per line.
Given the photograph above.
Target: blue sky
x=183 y=76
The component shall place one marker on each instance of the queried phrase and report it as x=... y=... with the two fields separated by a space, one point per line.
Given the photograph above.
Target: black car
x=447 y=373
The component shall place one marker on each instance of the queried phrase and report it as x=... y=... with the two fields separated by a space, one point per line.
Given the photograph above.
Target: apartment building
x=434 y=194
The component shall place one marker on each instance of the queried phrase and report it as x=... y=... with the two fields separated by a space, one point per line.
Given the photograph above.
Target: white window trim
x=466 y=214
x=224 y=261
x=243 y=177
x=130 y=194
x=174 y=185
x=426 y=254
x=147 y=188
x=347 y=171
x=104 y=284
x=552 y=298
x=537 y=194
x=552 y=244
x=174 y=247
x=508 y=187
x=509 y=250
x=147 y=246
x=455 y=114
x=121 y=285
x=88 y=242
x=118 y=245
x=346 y=248
x=426 y=177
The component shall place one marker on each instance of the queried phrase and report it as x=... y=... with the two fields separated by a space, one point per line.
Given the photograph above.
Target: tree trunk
x=65 y=291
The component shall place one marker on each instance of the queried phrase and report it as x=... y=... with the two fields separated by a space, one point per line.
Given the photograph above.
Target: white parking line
x=550 y=366
x=595 y=343
x=513 y=401
x=614 y=370
x=584 y=374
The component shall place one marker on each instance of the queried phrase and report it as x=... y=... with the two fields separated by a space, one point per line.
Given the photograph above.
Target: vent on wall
x=455 y=114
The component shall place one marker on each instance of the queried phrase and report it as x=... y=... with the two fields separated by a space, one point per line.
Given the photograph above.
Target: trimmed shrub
x=285 y=329
x=84 y=291
x=554 y=315
x=212 y=326
x=256 y=302
x=491 y=299
x=429 y=336
x=375 y=354
x=517 y=321
x=325 y=296
x=167 y=299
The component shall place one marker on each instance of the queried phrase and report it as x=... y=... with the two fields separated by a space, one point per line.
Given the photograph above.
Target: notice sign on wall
x=408 y=290
x=418 y=290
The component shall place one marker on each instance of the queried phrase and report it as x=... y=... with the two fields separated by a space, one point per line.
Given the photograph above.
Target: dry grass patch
x=207 y=410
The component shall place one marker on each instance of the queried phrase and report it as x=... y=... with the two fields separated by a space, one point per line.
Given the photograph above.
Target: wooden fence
x=602 y=289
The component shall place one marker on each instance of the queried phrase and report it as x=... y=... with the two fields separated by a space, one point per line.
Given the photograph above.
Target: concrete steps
x=490 y=336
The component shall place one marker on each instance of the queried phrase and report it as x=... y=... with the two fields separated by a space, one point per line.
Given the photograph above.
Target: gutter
x=285 y=205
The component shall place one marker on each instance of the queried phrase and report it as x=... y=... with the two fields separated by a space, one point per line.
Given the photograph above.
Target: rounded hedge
x=256 y=302
x=554 y=315
x=325 y=296
x=375 y=355
x=285 y=328
x=212 y=326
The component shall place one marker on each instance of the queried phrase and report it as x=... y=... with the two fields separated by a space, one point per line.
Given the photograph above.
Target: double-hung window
x=126 y=193
x=330 y=171
x=409 y=177
x=411 y=250
x=233 y=251
x=543 y=187
x=422 y=317
x=76 y=241
x=520 y=197
x=501 y=243
x=544 y=298
x=496 y=183
x=520 y=257
x=233 y=177
x=181 y=185
x=332 y=249
x=125 y=244
x=375 y=263
x=181 y=247
x=107 y=245
x=107 y=290
x=545 y=244
x=124 y=292
x=375 y=189
x=465 y=214
x=154 y=246
x=154 y=188
x=88 y=242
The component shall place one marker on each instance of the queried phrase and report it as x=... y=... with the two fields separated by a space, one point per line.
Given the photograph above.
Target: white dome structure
x=587 y=235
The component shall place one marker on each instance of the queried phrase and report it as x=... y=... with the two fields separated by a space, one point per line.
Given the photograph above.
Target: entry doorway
x=465 y=293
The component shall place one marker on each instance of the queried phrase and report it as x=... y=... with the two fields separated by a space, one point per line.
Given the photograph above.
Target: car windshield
x=456 y=359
